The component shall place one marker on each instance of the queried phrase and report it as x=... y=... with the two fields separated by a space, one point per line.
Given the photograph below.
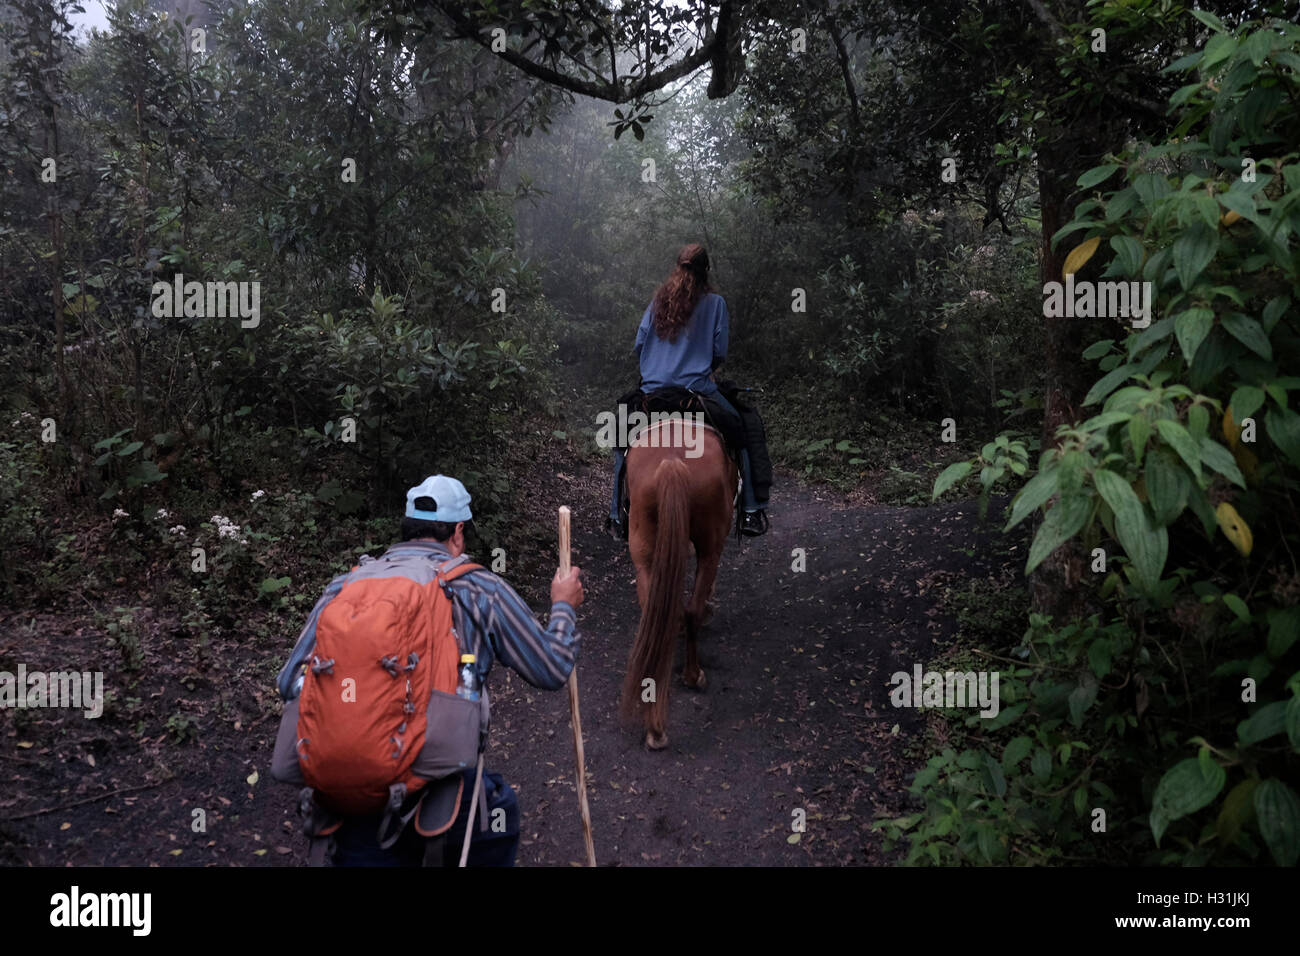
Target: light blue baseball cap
x=450 y=496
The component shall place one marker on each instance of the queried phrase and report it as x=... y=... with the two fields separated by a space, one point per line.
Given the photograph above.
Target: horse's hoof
x=655 y=741
x=699 y=683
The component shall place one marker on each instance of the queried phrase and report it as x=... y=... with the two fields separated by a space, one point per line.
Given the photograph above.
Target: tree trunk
x=1054 y=588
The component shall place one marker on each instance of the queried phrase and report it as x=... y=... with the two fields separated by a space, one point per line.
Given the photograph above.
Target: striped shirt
x=488 y=614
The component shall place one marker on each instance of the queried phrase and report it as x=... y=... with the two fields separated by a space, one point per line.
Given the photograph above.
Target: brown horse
x=681 y=485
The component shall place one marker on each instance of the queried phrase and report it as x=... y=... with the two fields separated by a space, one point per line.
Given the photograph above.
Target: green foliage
x=182 y=728
x=1167 y=462
x=1002 y=460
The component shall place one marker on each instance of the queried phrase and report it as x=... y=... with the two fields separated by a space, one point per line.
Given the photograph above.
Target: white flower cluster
x=228 y=529
x=119 y=513
x=162 y=515
x=25 y=416
x=179 y=529
x=257 y=494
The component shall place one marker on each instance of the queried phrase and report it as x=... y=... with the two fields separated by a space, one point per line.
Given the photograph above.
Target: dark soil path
x=796 y=715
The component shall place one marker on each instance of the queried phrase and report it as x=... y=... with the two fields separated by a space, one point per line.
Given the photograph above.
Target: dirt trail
x=796 y=714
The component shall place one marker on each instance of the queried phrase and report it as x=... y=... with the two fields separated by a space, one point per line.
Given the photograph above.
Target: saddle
x=675 y=398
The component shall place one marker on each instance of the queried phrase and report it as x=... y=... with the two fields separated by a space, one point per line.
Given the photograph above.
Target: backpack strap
x=449 y=571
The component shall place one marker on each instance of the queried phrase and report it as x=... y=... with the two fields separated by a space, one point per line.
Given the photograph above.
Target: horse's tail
x=652 y=651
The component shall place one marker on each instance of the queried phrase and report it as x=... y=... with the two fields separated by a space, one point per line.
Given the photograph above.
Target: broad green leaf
x=1249 y=333
x=1218 y=458
x=993 y=778
x=1273 y=311
x=1258 y=46
x=1017 y=749
x=1129 y=251
x=1080 y=699
x=1220 y=47
x=1283 y=427
x=1099 y=657
x=1183 y=790
x=1193 y=251
x=1032 y=497
x=1268 y=721
x=1041 y=765
x=1147 y=546
x=1277 y=810
x=1238 y=607
x=1139 y=431
x=1245 y=402
x=1096 y=175
x=1210 y=20
x=950 y=476
x=1283 y=630
x=1151 y=188
x=1180 y=441
x=1097 y=349
x=1198 y=422
x=1167 y=486
x=1062 y=523
x=1191 y=327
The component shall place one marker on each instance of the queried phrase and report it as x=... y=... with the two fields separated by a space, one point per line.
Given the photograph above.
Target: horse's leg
x=706 y=575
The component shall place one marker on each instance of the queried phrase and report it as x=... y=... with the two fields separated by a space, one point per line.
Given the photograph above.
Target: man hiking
x=385 y=704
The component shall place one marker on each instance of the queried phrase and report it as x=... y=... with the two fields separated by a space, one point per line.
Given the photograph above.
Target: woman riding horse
x=681 y=341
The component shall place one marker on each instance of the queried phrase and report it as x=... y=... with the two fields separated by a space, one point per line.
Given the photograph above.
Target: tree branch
x=612 y=90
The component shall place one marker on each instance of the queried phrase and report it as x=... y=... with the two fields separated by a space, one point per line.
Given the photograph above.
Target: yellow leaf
x=252 y=778
x=25 y=744
x=65 y=826
x=1079 y=255
x=1231 y=430
x=176 y=852
x=1234 y=528
x=259 y=853
x=793 y=838
x=1230 y=217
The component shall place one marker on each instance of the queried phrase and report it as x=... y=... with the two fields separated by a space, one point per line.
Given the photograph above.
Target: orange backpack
x=383 y=672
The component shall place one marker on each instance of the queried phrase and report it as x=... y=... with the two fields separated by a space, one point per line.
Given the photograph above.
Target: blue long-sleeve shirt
x=700 y=346
x=487 y=612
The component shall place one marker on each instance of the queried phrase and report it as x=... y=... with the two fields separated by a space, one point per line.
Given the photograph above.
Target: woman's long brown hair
x=681 y=292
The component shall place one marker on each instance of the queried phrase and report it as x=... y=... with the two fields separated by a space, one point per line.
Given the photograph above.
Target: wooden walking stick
x=573 y=708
